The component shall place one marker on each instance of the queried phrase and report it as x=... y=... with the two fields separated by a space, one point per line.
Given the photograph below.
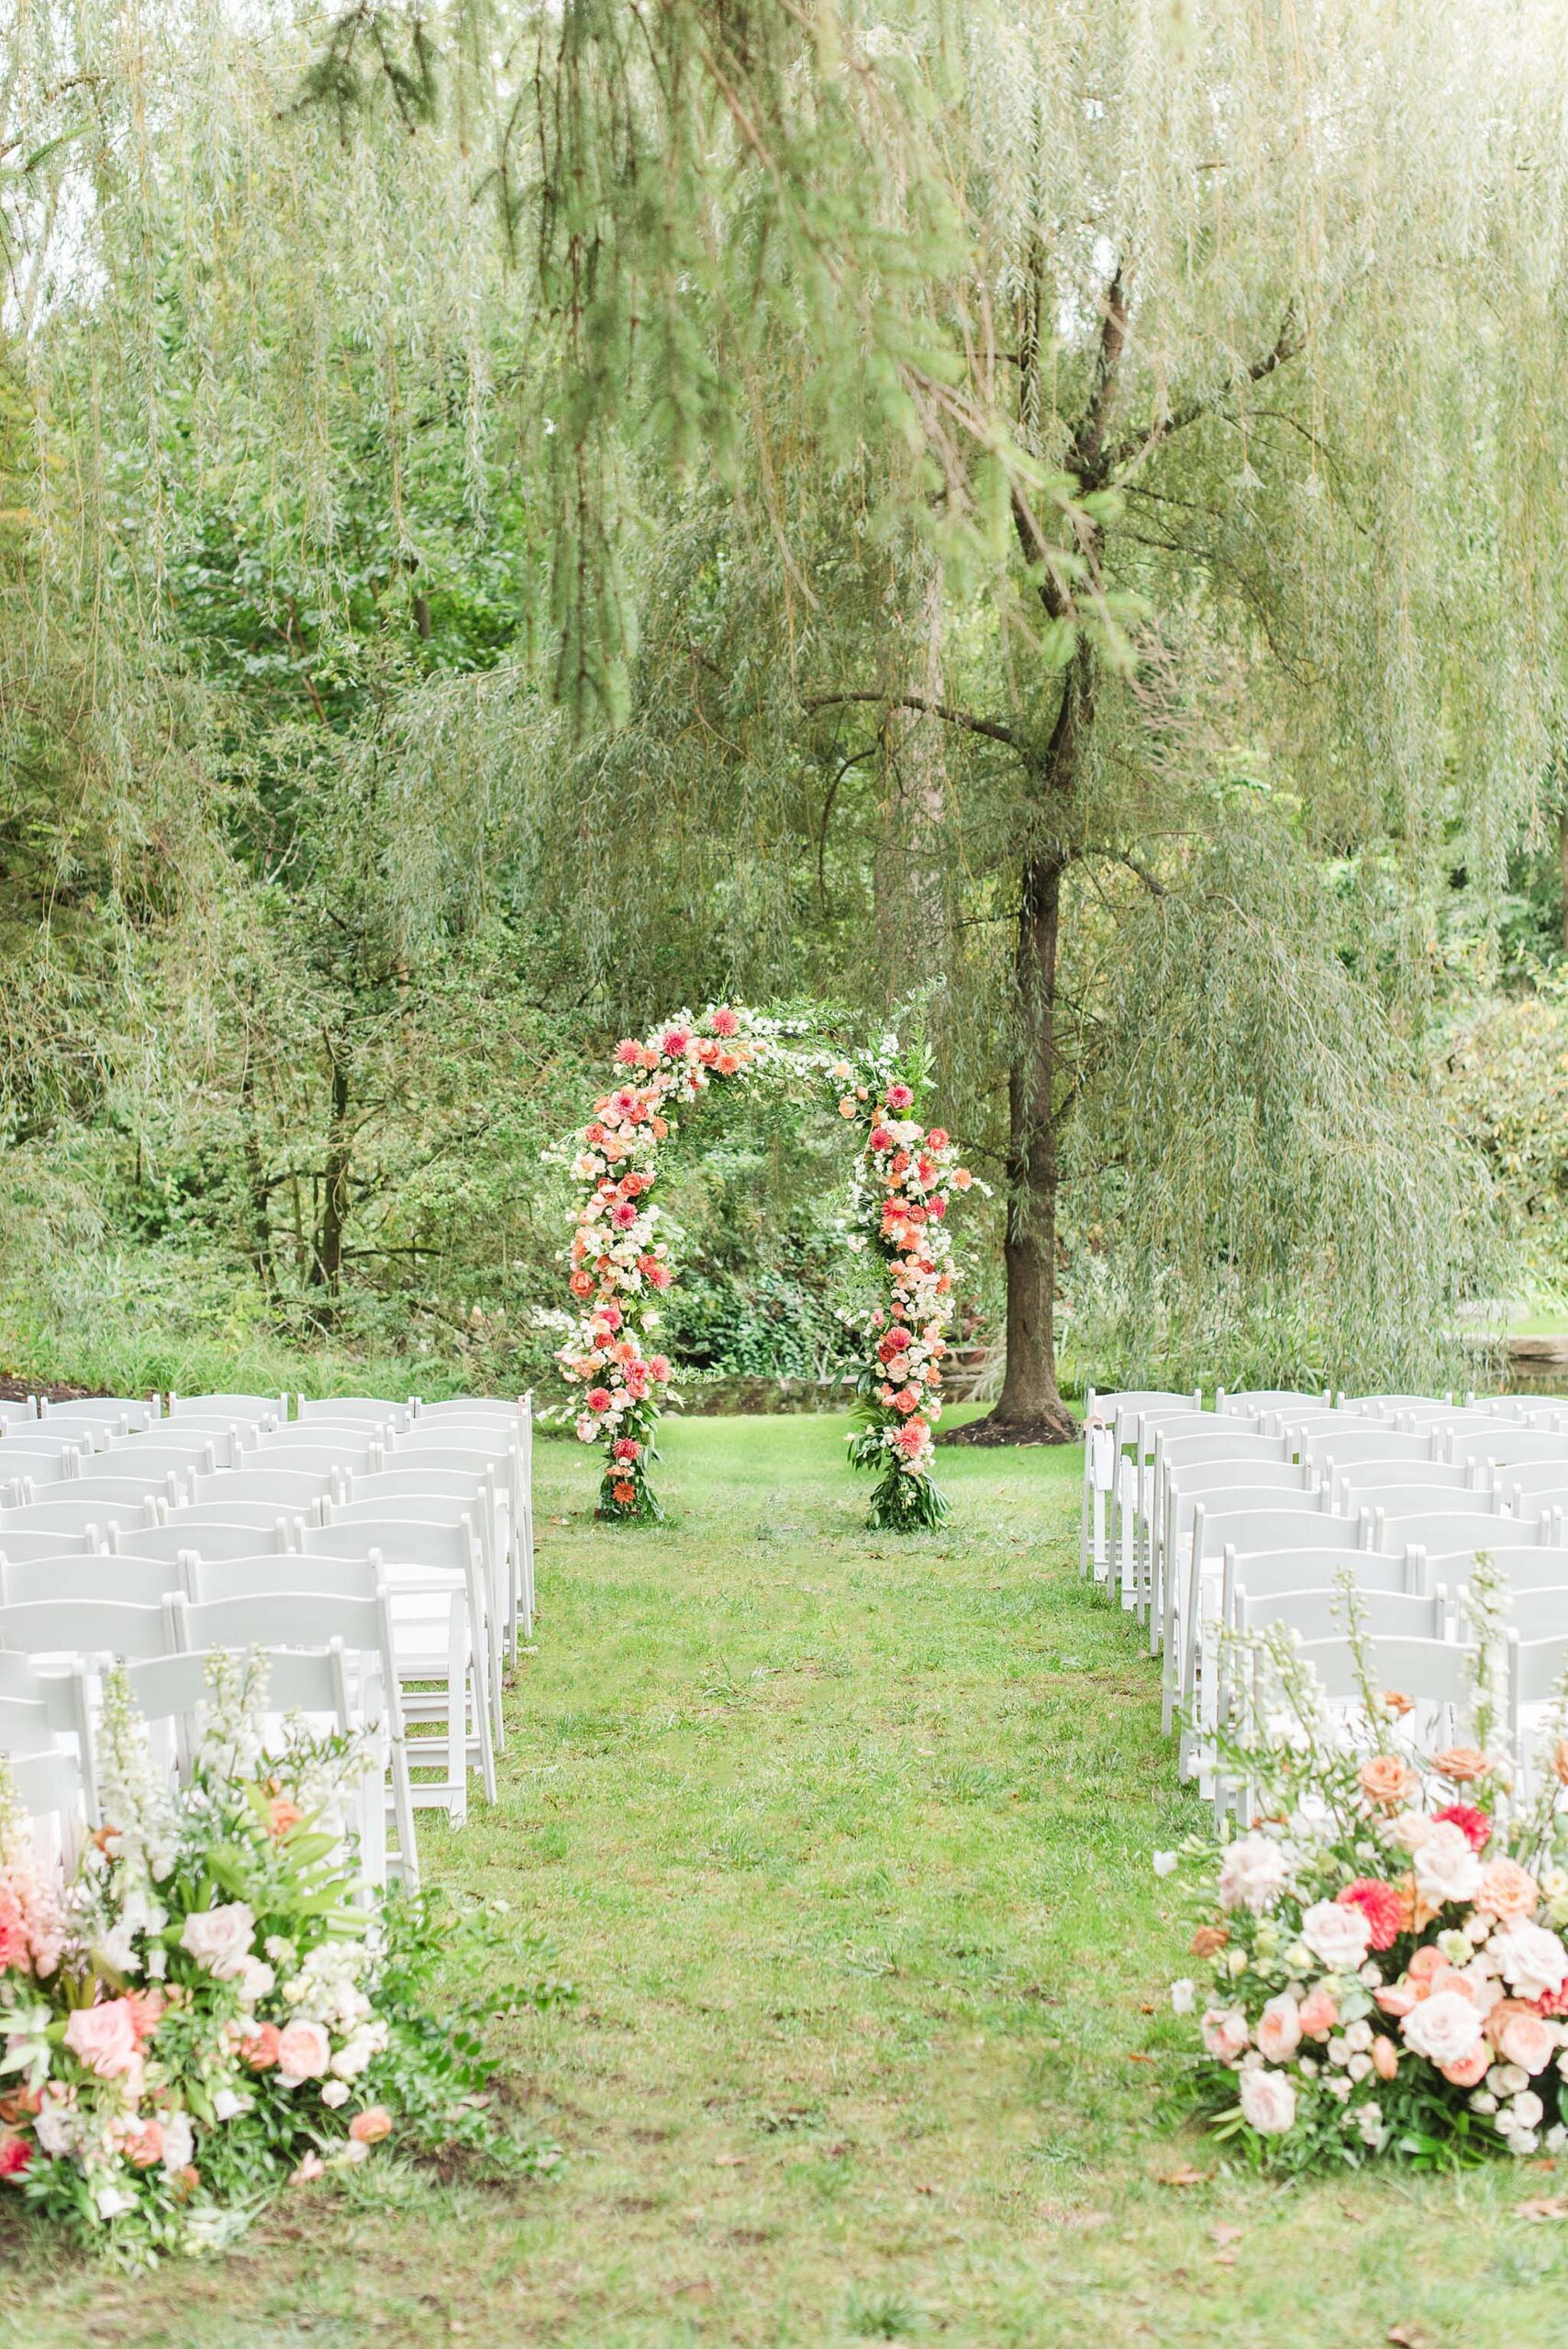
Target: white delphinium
x=142 y=1826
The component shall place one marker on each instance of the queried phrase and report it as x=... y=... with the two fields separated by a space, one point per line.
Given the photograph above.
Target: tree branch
x=1084 y=458
x=1290 y=341
x=991 y=727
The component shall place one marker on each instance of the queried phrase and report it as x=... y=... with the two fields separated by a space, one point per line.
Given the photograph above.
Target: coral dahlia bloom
x=1380 y=1906
x=726 y=1022
x=1473 y=1824
x=624 y=1492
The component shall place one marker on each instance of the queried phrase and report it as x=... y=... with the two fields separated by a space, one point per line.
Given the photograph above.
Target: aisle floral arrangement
x=208 y=2012
x=620 y=1263
x=1384 y=1967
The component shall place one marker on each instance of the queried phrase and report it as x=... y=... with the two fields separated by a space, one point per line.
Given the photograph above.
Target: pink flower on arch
x=624 y=1216
x=880 y=1138
x=726 y=1022
x=899 y=1097
x=673 y=1044
x=598 y=1399
x=658 y=1365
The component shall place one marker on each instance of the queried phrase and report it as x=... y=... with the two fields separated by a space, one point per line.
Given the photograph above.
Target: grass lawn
x=845 y=1840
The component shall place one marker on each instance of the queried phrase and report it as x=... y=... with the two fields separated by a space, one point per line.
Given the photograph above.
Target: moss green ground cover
x=846 y=1840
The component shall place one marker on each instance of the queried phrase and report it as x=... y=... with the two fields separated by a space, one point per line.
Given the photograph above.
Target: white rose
x=335 y=2092
x=1507 y=2079
x=1482 y=2101
x=1521 y=2140
x=112 y=2203
x=352 y=2057
x=219 y=1939
x=1253 y=1874
x=1358 y=2037
x=1182 y=1995
x=1532 y=1961
x=1526 y=2111
x=1446 y=1867
x=1268 y=2102
x=53 y=2126
x=228 y=2104
x=255 y=1978
x=1409 y=1830
x=1445 y=2029
x=179 y=2142
x=1359 y=2066
x=1337 y=1935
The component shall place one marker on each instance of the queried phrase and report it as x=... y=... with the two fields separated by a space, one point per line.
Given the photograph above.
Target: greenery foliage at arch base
x=904 y=1176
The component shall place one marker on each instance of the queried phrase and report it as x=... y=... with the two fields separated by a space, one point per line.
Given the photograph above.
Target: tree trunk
x=258 y=1189
x=328 y=1268
x=1029 y=1408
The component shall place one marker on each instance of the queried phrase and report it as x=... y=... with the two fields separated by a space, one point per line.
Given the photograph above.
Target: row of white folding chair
x=1189 y=1463
x=1136 y=1434
x=1103 y=1418
x=78 y=1632
x=421 y=1497
x=442 y=1645
x=479 y=1435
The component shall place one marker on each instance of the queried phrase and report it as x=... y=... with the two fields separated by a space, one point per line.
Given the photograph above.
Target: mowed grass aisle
x=846 y=1842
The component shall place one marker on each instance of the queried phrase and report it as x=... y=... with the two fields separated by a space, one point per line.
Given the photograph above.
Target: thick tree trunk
x=1029 y=1408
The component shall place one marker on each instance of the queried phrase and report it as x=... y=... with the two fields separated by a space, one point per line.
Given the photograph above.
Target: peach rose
x=1396 y=1999
x=1386 y=1781
x=369 y=2127
x=1529 y=2042
x=1397 y=1703
x=146 y=2147
x=1509 y=1891
x=1279 y=2028
x=1470 y=2070
x=1224 y=2033
x=1385 y=2057
x=1502 y=2014
x=303 y=2053
x=1460 y=1763
x=258 y=2048
x=104 y=2038
x=282 y=1815
x=1317 y=2014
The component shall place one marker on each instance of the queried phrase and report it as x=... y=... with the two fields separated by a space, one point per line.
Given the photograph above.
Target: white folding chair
x=76 y=1521
x=165 y=1446
x=1137 y=1435
x=1182 y=1487
x=18 y=1547
x=473 y=1451
x=512 y=1420
x=1276 y=1400
x=292 y=1458
x=1500 y=1447
x=1304 y=1524
x=259 y=1518
x=478 y=1511
x=1100 y=1416
x=96 y=1428
x=1459 y=1518
x=281 y=1491
x=317 y=1620
x=135 y=1498
x=1400 y=1483
x=1348 y=1443
x=47 y=1460
x=436 y=1580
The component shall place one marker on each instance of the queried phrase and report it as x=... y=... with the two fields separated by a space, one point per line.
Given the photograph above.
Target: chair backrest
x=243 y=1427
x=244 y=1406
x=1104 y=1407
x=220 y=1540
x=1264 y=1571
x=123 y=1492
x=1449 y=1527
x=1308 y=1526
x=1540 y=1614
x=370 y=1410
x=234 y=1509
x=18 y=1547
x=469 y=1461
x=208 y=1579
x=399 y=1542
x=1538 y=1477
x=403 y=1484
x=1538 y=1506
x=94 y=1428
x=167 y=1447
x=1319 y=1614
x=1372 y=1406
x=49 y=1462
x=20 y=1679
x=281 y=1488
x=1430 y=1671
x=406 y=1510
x=1274 y=1399
x=25 y=1725
x=16 y=1415
x=491 y=1407
x=1239 y=1475
x=63 y=1517
x=1346 y=1444
x=49 y=1786
x=300 y=1680
x=324 y=1459
x=1139 y=1429
x=1538 y=1569
x=1222 y=1443
x=134 y=1581
x=1535 y=1667
x=82 y=1627
x=293 y=1619
x=1521 y=1448
x=1408 y=1488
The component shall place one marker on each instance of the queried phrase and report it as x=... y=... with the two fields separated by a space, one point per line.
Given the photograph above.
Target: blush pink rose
x=1385 y=2057
x=1279 y=2028
x=104 y=2038
x=303 y=2053
x=1529 y=2042
x=1224 y=2033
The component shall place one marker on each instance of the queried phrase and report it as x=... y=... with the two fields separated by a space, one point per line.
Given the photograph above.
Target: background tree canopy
x=1042 y=521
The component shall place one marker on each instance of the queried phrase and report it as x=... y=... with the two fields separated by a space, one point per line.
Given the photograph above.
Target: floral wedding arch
x=903 y=1174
